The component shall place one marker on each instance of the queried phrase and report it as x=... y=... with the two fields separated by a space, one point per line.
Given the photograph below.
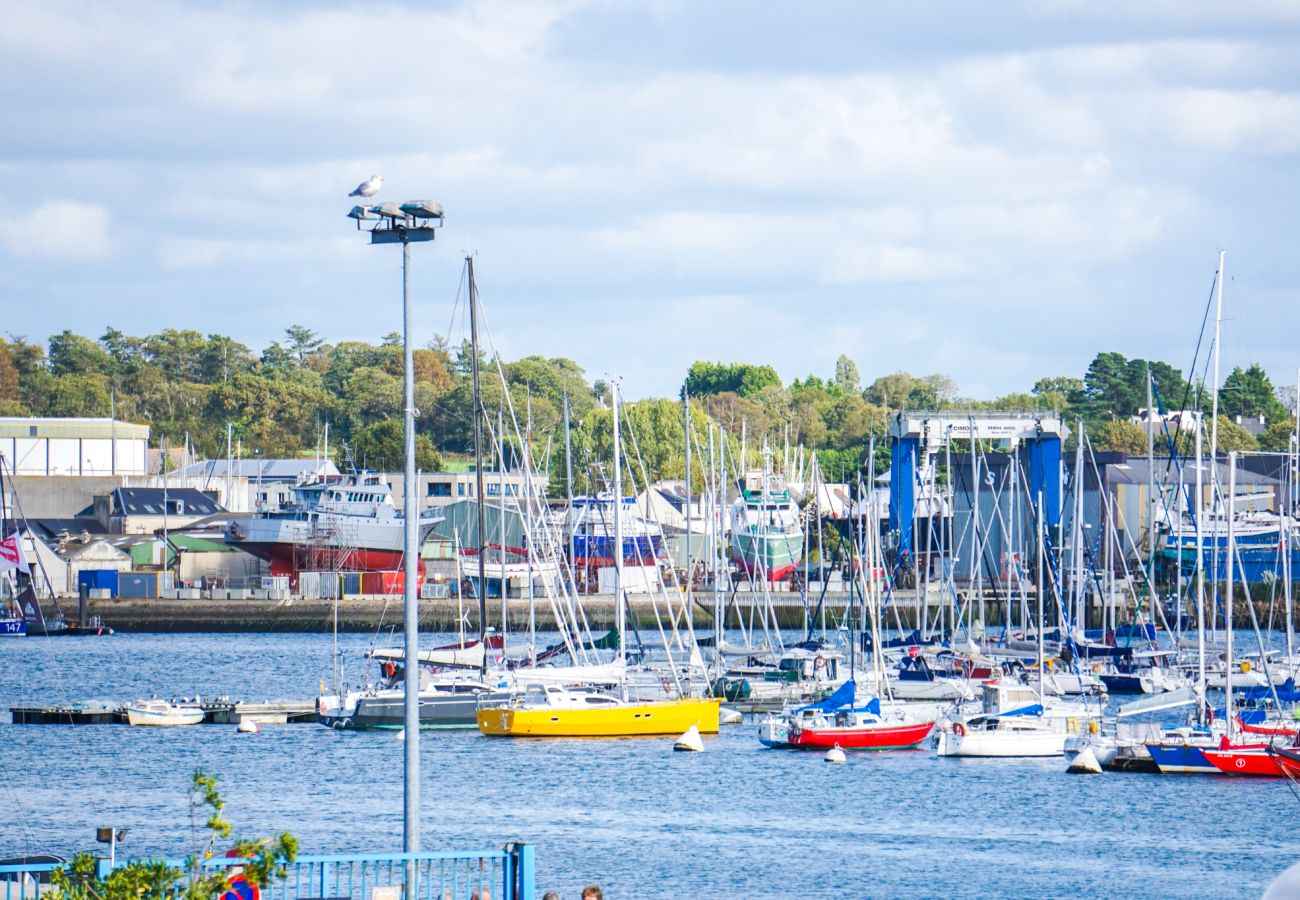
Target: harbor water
x=734 y=821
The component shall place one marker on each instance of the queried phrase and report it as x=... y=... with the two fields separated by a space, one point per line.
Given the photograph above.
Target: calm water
x=734 y=821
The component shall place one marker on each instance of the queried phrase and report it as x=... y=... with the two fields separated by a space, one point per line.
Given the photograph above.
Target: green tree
x=745 y=379
x=847 y=378
x=1233 y=437
x=1122 y=435
x=383 y=446
x=1277 y=436
x=72 y=354
x=302 y=341
x=1249 y=393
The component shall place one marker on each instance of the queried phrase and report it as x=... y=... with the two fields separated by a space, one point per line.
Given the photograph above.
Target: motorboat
x=162 y=712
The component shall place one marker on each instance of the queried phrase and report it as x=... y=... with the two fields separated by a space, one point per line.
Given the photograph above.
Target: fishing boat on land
x=162 y=713
x=343 y=525
x=836 y=722
x=554 y=711
x=766 y=535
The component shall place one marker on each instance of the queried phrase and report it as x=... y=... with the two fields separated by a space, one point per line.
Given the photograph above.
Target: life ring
x=959 y=729
x=820 y=663
x=390 y=669
x=1246 y=667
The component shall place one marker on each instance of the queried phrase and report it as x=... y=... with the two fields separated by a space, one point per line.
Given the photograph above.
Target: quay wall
x=368 y=612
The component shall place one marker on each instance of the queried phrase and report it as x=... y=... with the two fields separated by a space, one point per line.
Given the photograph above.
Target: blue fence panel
x=507 y=874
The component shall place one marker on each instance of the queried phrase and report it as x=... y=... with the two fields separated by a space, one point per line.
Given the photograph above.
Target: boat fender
x=959 y=729
x=1092 y=727
x=390 y=669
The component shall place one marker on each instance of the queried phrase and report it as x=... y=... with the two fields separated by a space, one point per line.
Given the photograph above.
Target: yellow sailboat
x=553 y=711
x=558 y=712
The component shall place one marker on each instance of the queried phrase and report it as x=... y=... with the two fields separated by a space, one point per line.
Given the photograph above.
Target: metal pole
x=690 y=557
x=479 y=415
x=1227 y=600
x=619 y=614
x=410 y=604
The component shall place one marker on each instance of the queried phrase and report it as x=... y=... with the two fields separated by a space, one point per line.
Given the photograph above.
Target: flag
x=12 y=556
x=32 y=613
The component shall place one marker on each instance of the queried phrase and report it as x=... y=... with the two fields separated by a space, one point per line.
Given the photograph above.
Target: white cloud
x=58 y=230
x=863 y=193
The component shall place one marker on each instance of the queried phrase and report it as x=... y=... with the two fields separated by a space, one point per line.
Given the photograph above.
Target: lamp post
x=112 y=837
x=405 y=224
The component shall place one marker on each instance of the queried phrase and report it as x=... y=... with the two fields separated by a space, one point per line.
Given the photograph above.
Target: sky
x=991 y=191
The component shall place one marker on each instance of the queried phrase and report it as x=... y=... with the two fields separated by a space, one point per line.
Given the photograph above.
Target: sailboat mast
x=690 y=557
x=1038 y=518
x=619 y=623
x=480 y=414
x=568 y=455
x=1200 y=577
x=1227 y=615
x=501 y=521
x=1218 y=329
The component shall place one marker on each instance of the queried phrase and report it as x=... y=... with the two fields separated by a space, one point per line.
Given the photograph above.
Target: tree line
x=188 y=387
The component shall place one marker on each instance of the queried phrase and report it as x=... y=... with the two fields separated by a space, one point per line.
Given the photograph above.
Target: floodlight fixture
x=422 y=209
x=389 y=210
x=361 y=212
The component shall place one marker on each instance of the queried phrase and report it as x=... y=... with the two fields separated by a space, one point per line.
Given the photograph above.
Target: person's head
x=550 y=895
x=592 y=892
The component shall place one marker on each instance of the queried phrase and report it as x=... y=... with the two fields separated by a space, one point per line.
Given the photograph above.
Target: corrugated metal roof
x=27 y=427
x=269 y=469
x=150 y=502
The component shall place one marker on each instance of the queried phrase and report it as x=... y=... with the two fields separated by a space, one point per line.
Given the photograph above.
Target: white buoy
x=401 y=734
x=729 y=716
x=247 y=726
x=691 y=740
x=835 y=755
x=1085 y=763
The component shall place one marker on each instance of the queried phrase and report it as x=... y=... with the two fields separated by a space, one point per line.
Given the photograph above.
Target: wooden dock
x=215 y=712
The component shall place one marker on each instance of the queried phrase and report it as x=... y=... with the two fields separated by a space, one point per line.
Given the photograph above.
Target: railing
x=505 y=874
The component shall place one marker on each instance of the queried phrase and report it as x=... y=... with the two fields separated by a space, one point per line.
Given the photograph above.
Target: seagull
x=368 y=188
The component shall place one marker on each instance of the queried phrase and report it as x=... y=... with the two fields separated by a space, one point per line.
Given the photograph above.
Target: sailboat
x=836 y=722
x=552 y=710
x=1017 y=721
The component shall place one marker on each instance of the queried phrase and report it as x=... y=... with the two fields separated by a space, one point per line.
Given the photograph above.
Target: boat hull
x=668 y=717
x=1002 y=745
x=140 y=717
x=388 y=711
x=1259 y=763
x=884 y=737
x=772 y=556
x=1181 y=759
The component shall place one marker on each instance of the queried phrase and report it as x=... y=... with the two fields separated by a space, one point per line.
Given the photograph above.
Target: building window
x=439 y=489
x=460 y=490
x=494 y=490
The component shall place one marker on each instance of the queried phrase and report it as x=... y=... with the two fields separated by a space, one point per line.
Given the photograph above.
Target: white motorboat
x=162 y=712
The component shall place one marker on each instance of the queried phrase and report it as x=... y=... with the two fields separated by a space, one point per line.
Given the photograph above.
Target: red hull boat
x=877 y=737
x=1260 y=762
